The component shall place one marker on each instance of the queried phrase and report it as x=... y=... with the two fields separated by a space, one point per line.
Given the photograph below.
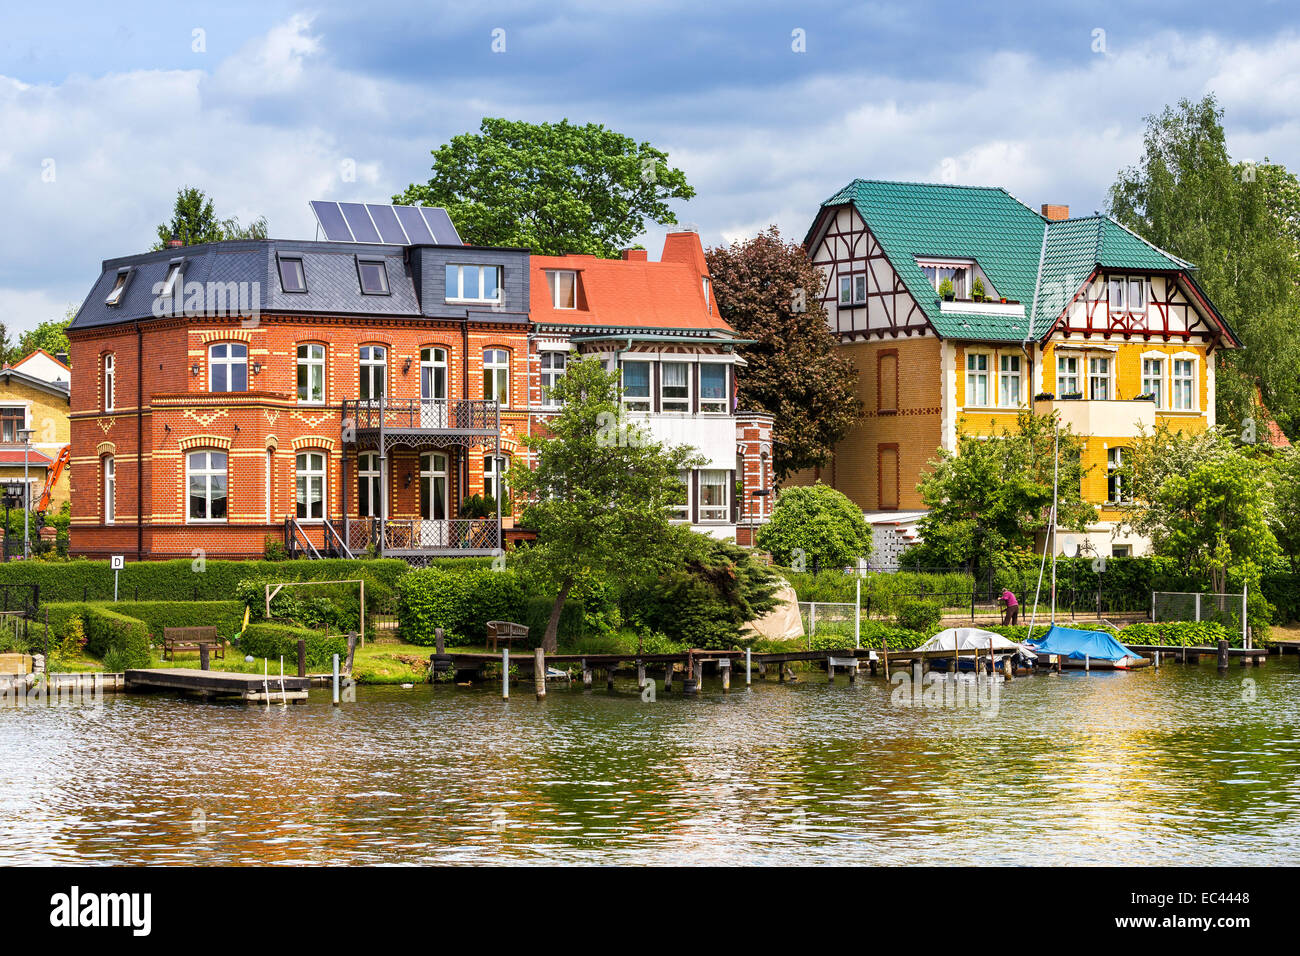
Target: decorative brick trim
x=310 y=441
x=204 y=441
x=226 y=335
x=105 y=448
x=206 y=419
x=272 y=443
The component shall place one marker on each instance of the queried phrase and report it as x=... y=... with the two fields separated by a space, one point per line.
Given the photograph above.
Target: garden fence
x=830 y=619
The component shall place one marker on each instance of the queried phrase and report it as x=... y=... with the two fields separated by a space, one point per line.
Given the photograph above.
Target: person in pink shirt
x=1010 y=608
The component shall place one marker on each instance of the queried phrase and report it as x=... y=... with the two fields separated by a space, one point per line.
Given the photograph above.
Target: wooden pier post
x=748 y=675
x=690 y=685
x=505 y=672
x=352 y=649
x=1223 y=657
x=1006 y=667
x=439 y=641
x=203 y=657
x=539 y=672
x=830 y=670
x=302 y=658
x=609 y=675
x=780 y=673
x=586 y=675
x=668 y=676
x=871 y=666
x=640 y=674
x=853 y=672
x=725 y=664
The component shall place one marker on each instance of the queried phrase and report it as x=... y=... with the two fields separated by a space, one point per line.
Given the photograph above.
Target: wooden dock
x=254 y=688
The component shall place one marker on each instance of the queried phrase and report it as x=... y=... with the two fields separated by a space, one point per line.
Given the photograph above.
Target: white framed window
x=1099 y=378
x=1067 y=375
x=708 y=302
x=1115 y=293
x=714 y=494
x=636 y=386
x=1184 y=385
x=433 y=487
x=228 y=367
x=713 y=388
x=491 y=478
x=860 y=287
x=552 y=364
x=311 y=374
x=675 y=382
x=682 y=512
x=958 y=275
x=110 y=489
x=1153 y=379
x=1114 y=479
x=1137 y=294
x=206 y=483
x=310 y=485
x=369 y=490
x=110 y=378
x=1009 y=381
x=473 y=283
x=496 y=375
x=270 y=470
x=173 y=278
x=13 y=419
x=374 y=372
x=564 y=288
x=846 y=290
x=977 y=379
x=1127 y=294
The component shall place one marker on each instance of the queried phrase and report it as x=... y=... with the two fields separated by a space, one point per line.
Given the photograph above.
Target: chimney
x=174 y=242
x=62 y=357
x=635 y=255
x=1055 y=213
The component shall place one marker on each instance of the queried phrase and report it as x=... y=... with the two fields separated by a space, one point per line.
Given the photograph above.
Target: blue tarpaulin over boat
x=1070 y=643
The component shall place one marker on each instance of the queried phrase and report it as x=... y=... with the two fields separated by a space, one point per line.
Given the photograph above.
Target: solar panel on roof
x=413 y=223
x=331 y=221
x=376 y=223
x=363 y=230
x=386 y=221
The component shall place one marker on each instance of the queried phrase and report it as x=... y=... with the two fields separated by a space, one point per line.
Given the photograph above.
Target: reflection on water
x=1171 y=766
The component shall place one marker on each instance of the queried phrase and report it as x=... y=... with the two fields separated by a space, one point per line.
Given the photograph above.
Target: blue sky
x=107 y=108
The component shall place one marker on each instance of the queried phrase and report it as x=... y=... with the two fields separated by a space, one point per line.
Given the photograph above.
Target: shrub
x=918 y=615
x=272 y=640
x=122 y=642
x=815 y=525
x=1179 y=633
x=460 y=603
x=156 y=615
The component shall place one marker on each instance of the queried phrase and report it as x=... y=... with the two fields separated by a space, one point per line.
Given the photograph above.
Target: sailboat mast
x=1056 y=470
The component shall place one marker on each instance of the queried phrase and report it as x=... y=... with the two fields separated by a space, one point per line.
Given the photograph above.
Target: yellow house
x=34 y=394
x=961 y=307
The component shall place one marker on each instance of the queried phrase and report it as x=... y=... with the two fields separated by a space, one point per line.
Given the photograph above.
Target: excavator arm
x=60 y=462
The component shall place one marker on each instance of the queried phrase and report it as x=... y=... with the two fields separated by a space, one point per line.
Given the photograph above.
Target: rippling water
x=1177 y=765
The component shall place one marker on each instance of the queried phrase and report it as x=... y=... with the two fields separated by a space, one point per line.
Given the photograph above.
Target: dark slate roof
x=1040 y=263
x=333 y=285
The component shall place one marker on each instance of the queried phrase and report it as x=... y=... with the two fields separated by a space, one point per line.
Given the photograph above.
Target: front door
x=433 y=388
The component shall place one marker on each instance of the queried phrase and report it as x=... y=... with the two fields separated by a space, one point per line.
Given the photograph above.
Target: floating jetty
x=254 y=688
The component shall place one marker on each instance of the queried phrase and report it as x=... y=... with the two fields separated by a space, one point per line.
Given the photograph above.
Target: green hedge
x=226 y=616
x=271 y=640
x=181 y=579
x=1179 y=633
x=461 y=602
x=120 y=641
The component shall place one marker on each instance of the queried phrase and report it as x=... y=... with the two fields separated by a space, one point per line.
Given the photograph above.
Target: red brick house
x=337 y=396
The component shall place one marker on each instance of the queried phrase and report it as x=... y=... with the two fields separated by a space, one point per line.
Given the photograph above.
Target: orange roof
x=632 y=293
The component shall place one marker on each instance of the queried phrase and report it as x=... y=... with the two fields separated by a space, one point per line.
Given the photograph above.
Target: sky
x=107 y=108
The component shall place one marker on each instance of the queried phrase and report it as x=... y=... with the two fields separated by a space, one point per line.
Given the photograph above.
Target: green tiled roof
x=1005 y=237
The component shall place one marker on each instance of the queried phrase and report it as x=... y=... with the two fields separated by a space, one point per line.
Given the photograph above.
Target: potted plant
x=1071 y=396
x=1003 y=300
x=945 y=290
x=1044 y=397
x=977 y=290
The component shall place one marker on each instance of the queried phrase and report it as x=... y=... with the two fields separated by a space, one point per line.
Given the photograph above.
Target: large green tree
x=554 y=188
x=995 y=494
x=815 y=526
x=769 y=292
x=51 y=335
x=600 y=493
x=194 y=221
x=1239 y=223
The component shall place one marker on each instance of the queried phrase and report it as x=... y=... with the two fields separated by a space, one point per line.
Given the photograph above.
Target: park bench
x=505 y=631
x=192 y=639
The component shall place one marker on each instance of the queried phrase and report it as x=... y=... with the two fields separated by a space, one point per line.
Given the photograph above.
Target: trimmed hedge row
x=462 y=600
x=120 y=641
x=1179 y=633
x=182 y=579
x=226 y=616
x=271 y=640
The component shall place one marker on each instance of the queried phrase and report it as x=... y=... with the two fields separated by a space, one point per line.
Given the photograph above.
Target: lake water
x=1176 y=765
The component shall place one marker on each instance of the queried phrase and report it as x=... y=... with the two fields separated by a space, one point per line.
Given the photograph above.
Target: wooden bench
x=192 y=639
x=506 y=631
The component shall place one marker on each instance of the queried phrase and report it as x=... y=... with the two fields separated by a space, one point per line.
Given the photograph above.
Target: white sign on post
x=117 y=563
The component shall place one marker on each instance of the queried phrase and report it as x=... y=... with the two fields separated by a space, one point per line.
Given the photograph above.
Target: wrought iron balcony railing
x=419 y=413
x=423 y=534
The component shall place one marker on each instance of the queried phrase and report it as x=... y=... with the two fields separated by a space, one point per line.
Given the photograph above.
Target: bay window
x=636 y=386
x=713 y=388
x=713 y=494
x=675 y=378
x=206 y=482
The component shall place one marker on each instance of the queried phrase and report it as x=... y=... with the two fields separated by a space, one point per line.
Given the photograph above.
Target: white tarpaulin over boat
x=972 y=639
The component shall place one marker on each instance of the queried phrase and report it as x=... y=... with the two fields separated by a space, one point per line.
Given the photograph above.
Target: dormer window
x=292 y=276
x=564 y=288
x=374 y=276
x=1127 y=293
x=173 y=276
x=959 y=275
x=473 y=283
x=708 y=303
x=119 y=287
